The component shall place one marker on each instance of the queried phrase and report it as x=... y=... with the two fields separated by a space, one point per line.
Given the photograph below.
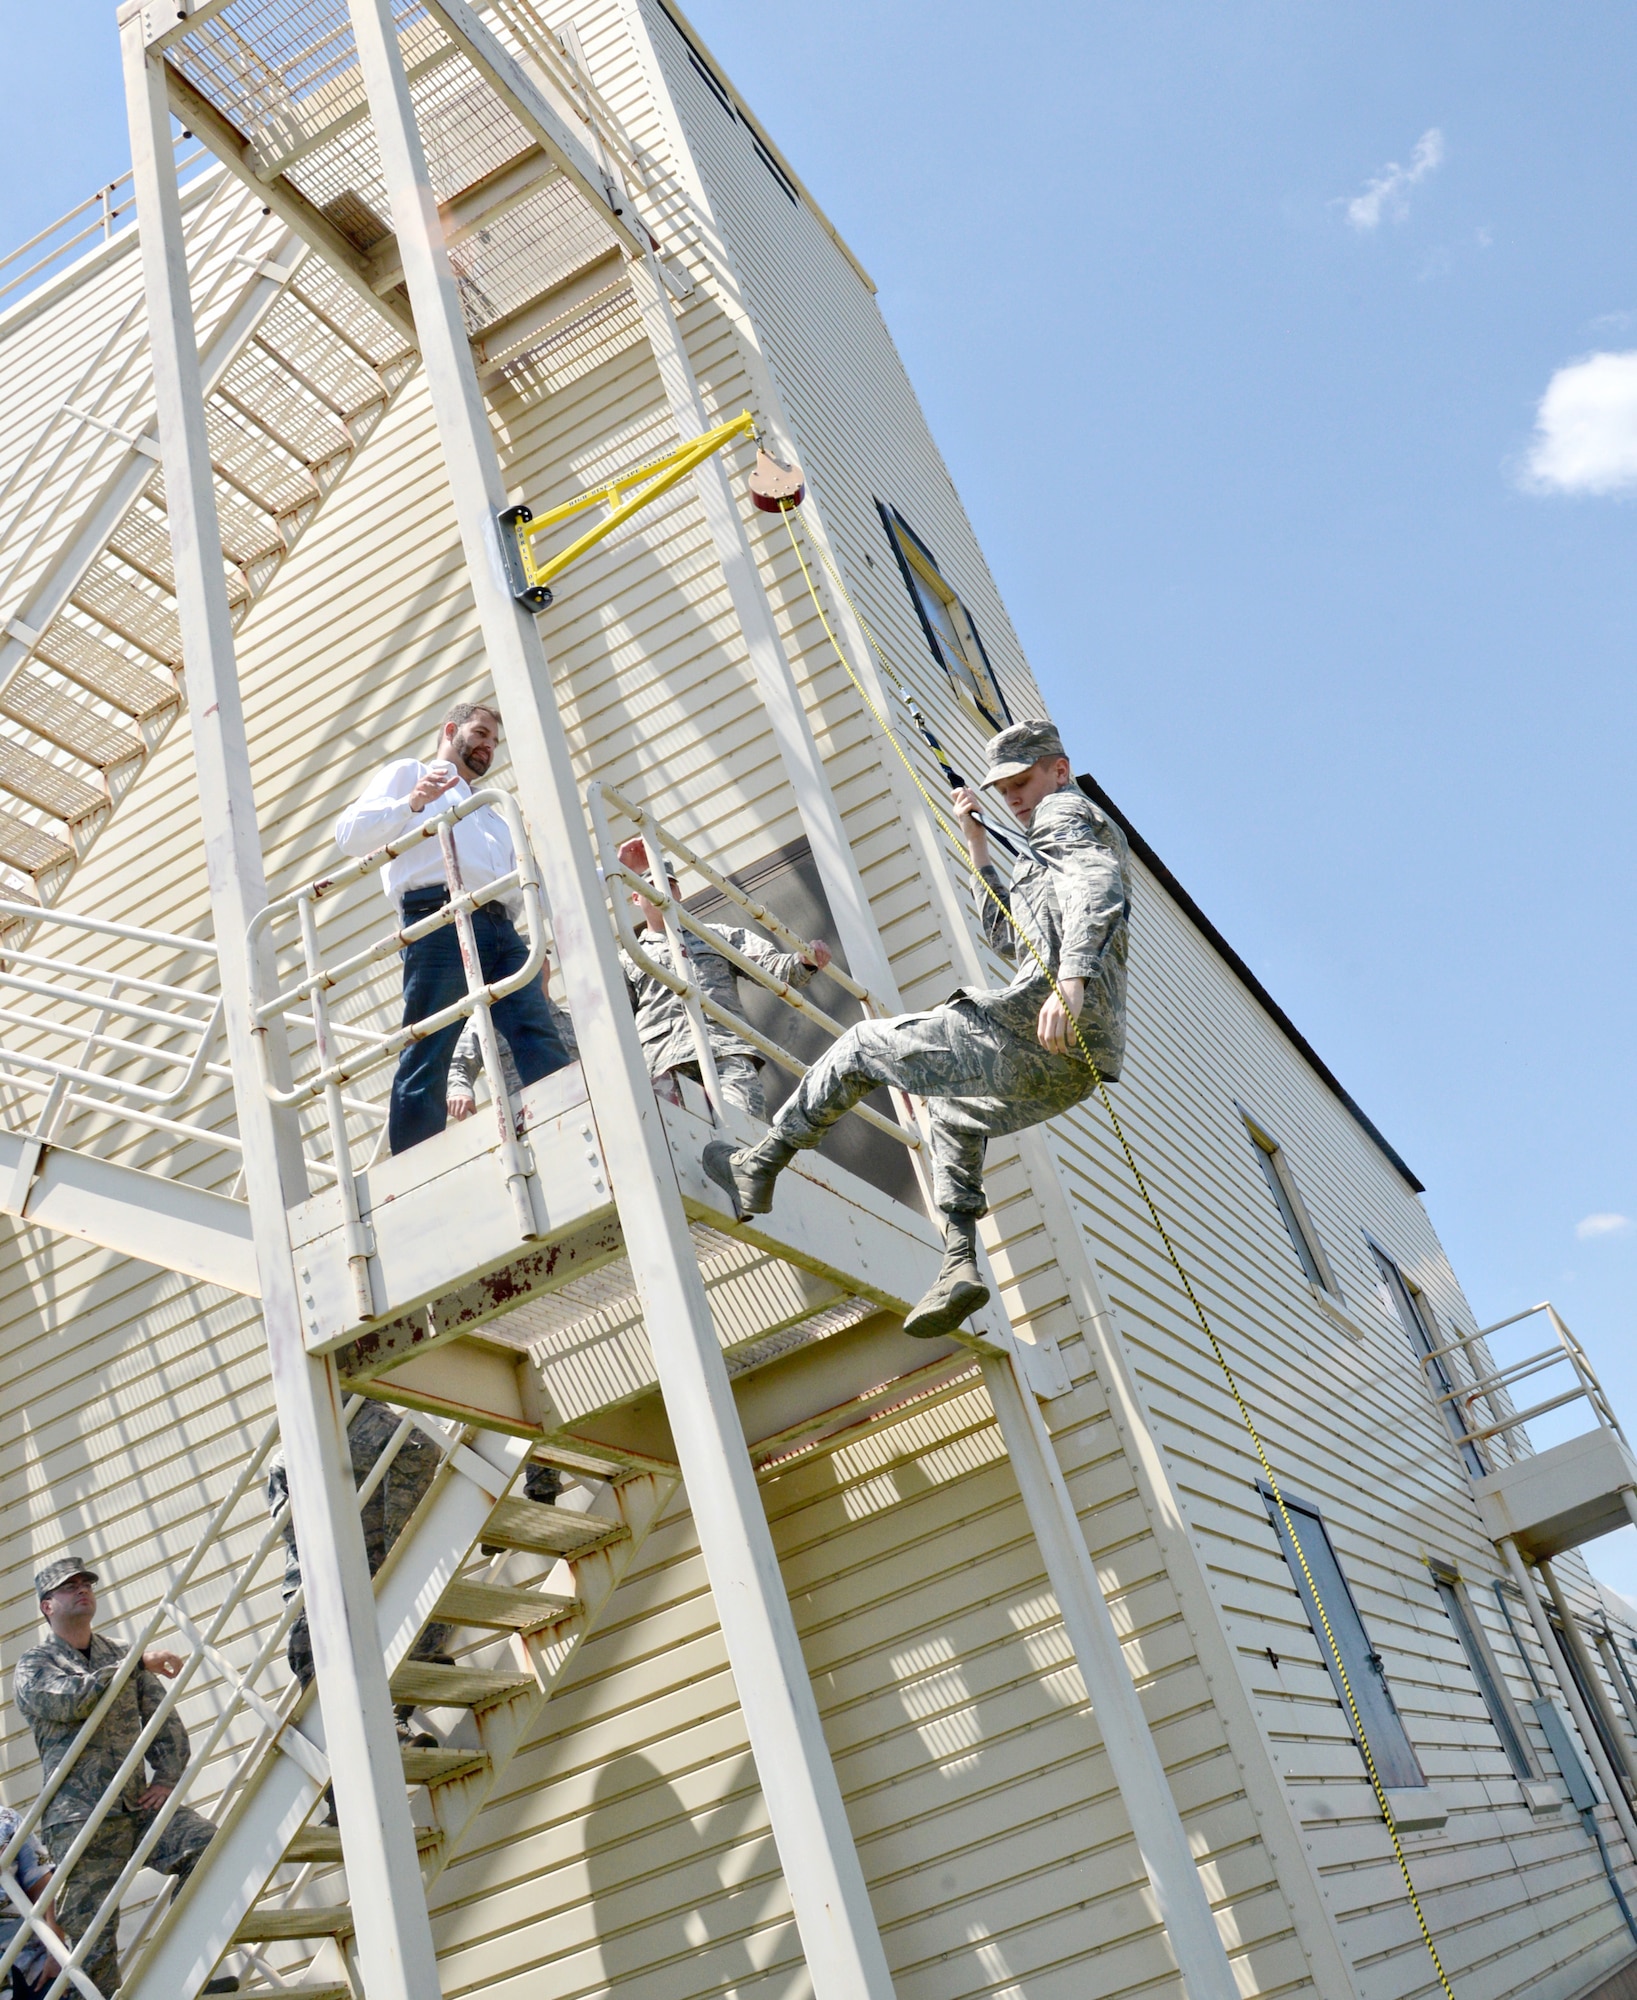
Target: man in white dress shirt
x=434 y=977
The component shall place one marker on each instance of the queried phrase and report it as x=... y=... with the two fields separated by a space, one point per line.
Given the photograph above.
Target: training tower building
x=434 y=350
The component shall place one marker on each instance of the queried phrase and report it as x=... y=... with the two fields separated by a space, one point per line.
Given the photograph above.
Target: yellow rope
x=1223 y=1363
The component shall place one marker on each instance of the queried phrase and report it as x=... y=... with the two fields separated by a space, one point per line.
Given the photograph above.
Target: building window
x=1485 y=1671
x=947 y=624
x=1391 y=1750
x=1416 y=1316
x=1304 y=1238
x=765 y=155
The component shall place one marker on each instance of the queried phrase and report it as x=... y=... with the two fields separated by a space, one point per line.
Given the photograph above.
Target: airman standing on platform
x=991 y=1061
x=662 y=1020
x=56 y=1687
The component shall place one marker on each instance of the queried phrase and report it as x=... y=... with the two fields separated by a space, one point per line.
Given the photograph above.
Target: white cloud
x=1601 y=1225
x=1389 y=193
x=1586 y=428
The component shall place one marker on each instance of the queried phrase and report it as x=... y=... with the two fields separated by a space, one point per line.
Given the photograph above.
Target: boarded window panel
x=1391 y=1750
x=787 y=883
x=1508 y=1727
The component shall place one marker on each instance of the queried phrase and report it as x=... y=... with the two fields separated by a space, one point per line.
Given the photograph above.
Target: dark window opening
x=1613 y=1748
x=1394 y=1756
x=1416 y=1317
x=773 y=167
x=1304 y=1238
x=719 y=89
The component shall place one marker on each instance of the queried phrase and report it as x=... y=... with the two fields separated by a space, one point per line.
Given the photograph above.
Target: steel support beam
x=826 y=1884
x=1619 y=1805
x=394 y=1936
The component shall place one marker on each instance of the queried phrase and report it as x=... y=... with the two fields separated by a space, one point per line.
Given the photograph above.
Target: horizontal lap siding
x=1349 y=1425
x=631 y=1838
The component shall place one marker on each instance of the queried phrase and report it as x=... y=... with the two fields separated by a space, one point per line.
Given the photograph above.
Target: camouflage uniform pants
x=185 y=1838
x=741 y=1084
x=384 y=1517
x=980 y=1078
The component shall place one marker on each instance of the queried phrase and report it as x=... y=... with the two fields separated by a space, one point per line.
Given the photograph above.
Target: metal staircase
x=298 y=372
x=523 y=1584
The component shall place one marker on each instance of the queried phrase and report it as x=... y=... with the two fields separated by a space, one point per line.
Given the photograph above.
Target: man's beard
x=477 y=757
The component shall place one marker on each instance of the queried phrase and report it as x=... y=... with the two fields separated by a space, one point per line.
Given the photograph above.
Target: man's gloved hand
x=1054 y=1031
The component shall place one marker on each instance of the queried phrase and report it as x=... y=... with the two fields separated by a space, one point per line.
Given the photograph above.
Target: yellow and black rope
x=1200 y=1314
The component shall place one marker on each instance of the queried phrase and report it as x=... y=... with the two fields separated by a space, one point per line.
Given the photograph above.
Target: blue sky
x=1340 y=604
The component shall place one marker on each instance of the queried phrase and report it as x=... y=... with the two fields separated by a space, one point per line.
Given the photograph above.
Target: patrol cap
x=54 y=1575
x=1014 y=750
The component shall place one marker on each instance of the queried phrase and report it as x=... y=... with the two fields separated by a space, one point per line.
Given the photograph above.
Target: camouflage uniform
x=55 y=1688
x=384 y=1516
x=662 y=1020
x=466 y=1064
x=977 y=1060
x=31 y=1866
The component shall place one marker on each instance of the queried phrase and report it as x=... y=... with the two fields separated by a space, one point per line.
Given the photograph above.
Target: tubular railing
x=229 y=1638
x=60 y=474
x=311 y=990
x=82 y=1056
x=1493 y=1385
x=681 y=923
x=93 y=220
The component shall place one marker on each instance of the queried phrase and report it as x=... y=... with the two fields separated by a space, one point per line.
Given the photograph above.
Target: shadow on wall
x=667 y=1891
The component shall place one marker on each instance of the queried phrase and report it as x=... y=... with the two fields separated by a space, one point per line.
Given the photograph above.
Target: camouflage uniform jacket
x=56 y=1689
x=1071 y=895
x=662 y=1020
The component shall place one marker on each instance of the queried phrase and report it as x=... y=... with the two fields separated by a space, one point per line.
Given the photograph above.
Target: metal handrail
x=1494 y=1382
x=698 y=1005
x=316 y=981
x=189 y=1021
x=201 y=1641
x=106 y=208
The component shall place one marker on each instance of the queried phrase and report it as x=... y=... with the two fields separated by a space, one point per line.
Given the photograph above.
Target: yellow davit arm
x=520 y=529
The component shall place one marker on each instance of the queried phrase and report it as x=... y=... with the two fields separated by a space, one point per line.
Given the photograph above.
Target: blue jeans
x=434 y=978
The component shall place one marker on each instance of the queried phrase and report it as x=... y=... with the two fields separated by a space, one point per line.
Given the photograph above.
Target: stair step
x=430 y=1685
x=272 y=1925
x=548 y=1531
x=323 y=1843
x=63 y=718
x=31 y=850
x=39 y=782
x=435 y=1767
x=501 y=1608
x=111 y=676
